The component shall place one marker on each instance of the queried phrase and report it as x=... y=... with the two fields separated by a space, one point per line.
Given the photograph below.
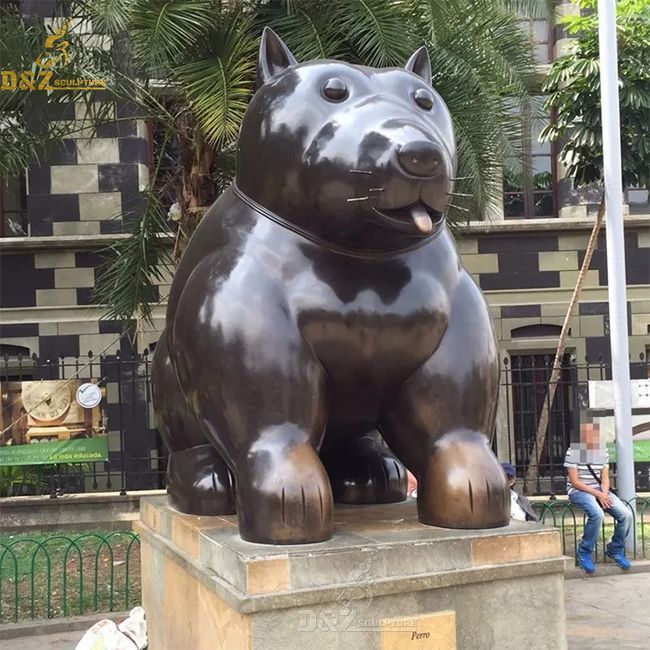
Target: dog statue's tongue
x=421 y=218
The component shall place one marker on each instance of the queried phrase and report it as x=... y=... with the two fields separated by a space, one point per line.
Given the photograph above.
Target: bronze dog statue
x=321 y=306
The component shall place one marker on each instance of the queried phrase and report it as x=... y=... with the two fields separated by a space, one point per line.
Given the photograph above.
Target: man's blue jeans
x=595 y=517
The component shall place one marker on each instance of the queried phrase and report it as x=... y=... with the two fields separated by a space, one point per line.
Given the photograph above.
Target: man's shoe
x=585 y=562
x=620 y=559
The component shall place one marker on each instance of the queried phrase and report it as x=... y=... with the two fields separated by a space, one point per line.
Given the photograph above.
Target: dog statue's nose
x=421 y=158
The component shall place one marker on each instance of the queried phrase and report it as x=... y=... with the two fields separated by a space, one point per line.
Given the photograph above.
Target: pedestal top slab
x=383 y=545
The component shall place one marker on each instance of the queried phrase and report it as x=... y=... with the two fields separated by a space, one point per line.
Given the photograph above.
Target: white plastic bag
x=135 y=627
x=130 y=634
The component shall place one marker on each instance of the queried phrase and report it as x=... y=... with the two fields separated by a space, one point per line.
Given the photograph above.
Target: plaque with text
x=432 y=631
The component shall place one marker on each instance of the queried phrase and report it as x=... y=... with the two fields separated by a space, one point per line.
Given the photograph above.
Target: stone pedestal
x=384 y=581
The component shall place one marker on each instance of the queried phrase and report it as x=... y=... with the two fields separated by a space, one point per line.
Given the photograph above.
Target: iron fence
x=51 y=575
x=44 y=576
x=137 y=457
x=524 y=391
x=570 y=521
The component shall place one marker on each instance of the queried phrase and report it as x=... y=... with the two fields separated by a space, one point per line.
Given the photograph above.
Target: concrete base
x=384 y=581
x=90 y=511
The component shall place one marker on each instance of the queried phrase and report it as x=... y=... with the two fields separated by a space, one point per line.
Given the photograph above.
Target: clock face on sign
x=89 y=395
x=47 y=400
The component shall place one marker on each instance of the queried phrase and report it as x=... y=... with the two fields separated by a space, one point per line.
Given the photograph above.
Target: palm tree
x=192 y=63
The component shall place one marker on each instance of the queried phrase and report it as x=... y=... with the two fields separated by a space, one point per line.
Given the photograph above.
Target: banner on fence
x=641 y=451
x=84 y=450
x=601 y=398
x=52 y=421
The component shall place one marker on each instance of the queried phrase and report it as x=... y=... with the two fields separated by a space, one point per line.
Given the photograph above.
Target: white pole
x=618 y=334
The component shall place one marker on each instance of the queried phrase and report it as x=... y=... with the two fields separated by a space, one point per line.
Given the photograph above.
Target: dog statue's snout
x=421 y=158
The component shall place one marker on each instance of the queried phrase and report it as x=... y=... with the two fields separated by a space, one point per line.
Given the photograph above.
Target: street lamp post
x=618 y=333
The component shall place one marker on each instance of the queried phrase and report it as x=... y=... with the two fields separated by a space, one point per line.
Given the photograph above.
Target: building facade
x=57 y=221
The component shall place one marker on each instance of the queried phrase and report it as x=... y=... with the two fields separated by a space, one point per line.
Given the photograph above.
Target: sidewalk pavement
x=610 y=612
x=606 y=613
x=60 y=641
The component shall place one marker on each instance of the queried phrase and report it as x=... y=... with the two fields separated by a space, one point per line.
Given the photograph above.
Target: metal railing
x=44 y=576
x=524 y=391
x=138 y=459
x=570 y=521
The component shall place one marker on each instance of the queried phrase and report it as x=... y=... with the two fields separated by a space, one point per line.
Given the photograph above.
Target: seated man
x=520 y=507
x=587 y=466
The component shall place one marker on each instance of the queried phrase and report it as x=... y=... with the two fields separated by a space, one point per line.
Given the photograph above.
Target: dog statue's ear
x=274 y=57
x=420 y=64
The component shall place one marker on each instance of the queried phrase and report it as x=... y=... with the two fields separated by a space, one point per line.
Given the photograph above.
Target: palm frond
x=106 y=16
x=134 y=266
x=206 y=49
x=308 y=29
x=219 y=82
x=375 y=31
x=163 y=31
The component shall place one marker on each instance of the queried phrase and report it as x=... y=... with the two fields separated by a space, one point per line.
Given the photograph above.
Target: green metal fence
x=51 y=575
x=570 y=521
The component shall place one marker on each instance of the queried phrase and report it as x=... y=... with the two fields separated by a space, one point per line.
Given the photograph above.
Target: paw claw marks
x=385 y=469
x=372 y=475
x=302 y=508
x=290 y=503
x=397 y=469
x=471 y=495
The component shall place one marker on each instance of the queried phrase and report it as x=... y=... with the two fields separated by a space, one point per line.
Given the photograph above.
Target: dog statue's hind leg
x=198 y=480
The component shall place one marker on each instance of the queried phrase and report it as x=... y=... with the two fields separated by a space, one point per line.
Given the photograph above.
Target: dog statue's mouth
x=417 y=215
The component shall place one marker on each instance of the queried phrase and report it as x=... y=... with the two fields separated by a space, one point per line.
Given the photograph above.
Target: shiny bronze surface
x=320 y=303
x=198 y=480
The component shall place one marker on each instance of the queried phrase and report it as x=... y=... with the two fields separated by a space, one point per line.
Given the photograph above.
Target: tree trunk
x=196 y=193
x=540 y=438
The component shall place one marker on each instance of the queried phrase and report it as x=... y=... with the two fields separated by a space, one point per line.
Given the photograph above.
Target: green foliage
x=25 y=135
x=14 y=479
x=137 y=264
x=217 y=79
x=574 y=87
x=201 y=55
x=206 y=52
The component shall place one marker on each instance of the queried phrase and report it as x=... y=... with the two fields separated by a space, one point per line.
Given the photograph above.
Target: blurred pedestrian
x=520 y=507
x=587 y=464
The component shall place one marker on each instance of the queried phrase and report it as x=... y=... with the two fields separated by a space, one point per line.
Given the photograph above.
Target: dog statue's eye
x=335 y=89
x=423 y=98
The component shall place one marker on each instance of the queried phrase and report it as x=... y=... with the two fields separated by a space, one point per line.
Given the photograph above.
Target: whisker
x=376 y=189
x=360 y=171
x=458 y=194
x=461 y=178
x=357 y=198
x=459 y=208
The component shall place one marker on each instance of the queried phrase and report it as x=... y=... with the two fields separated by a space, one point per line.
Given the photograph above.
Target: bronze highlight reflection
x=320 y=309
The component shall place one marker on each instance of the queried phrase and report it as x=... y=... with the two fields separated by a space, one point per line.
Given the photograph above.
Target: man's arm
x=579 y=485
x=604 y=479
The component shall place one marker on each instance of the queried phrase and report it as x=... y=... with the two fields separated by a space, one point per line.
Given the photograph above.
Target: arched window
x=535 y=331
